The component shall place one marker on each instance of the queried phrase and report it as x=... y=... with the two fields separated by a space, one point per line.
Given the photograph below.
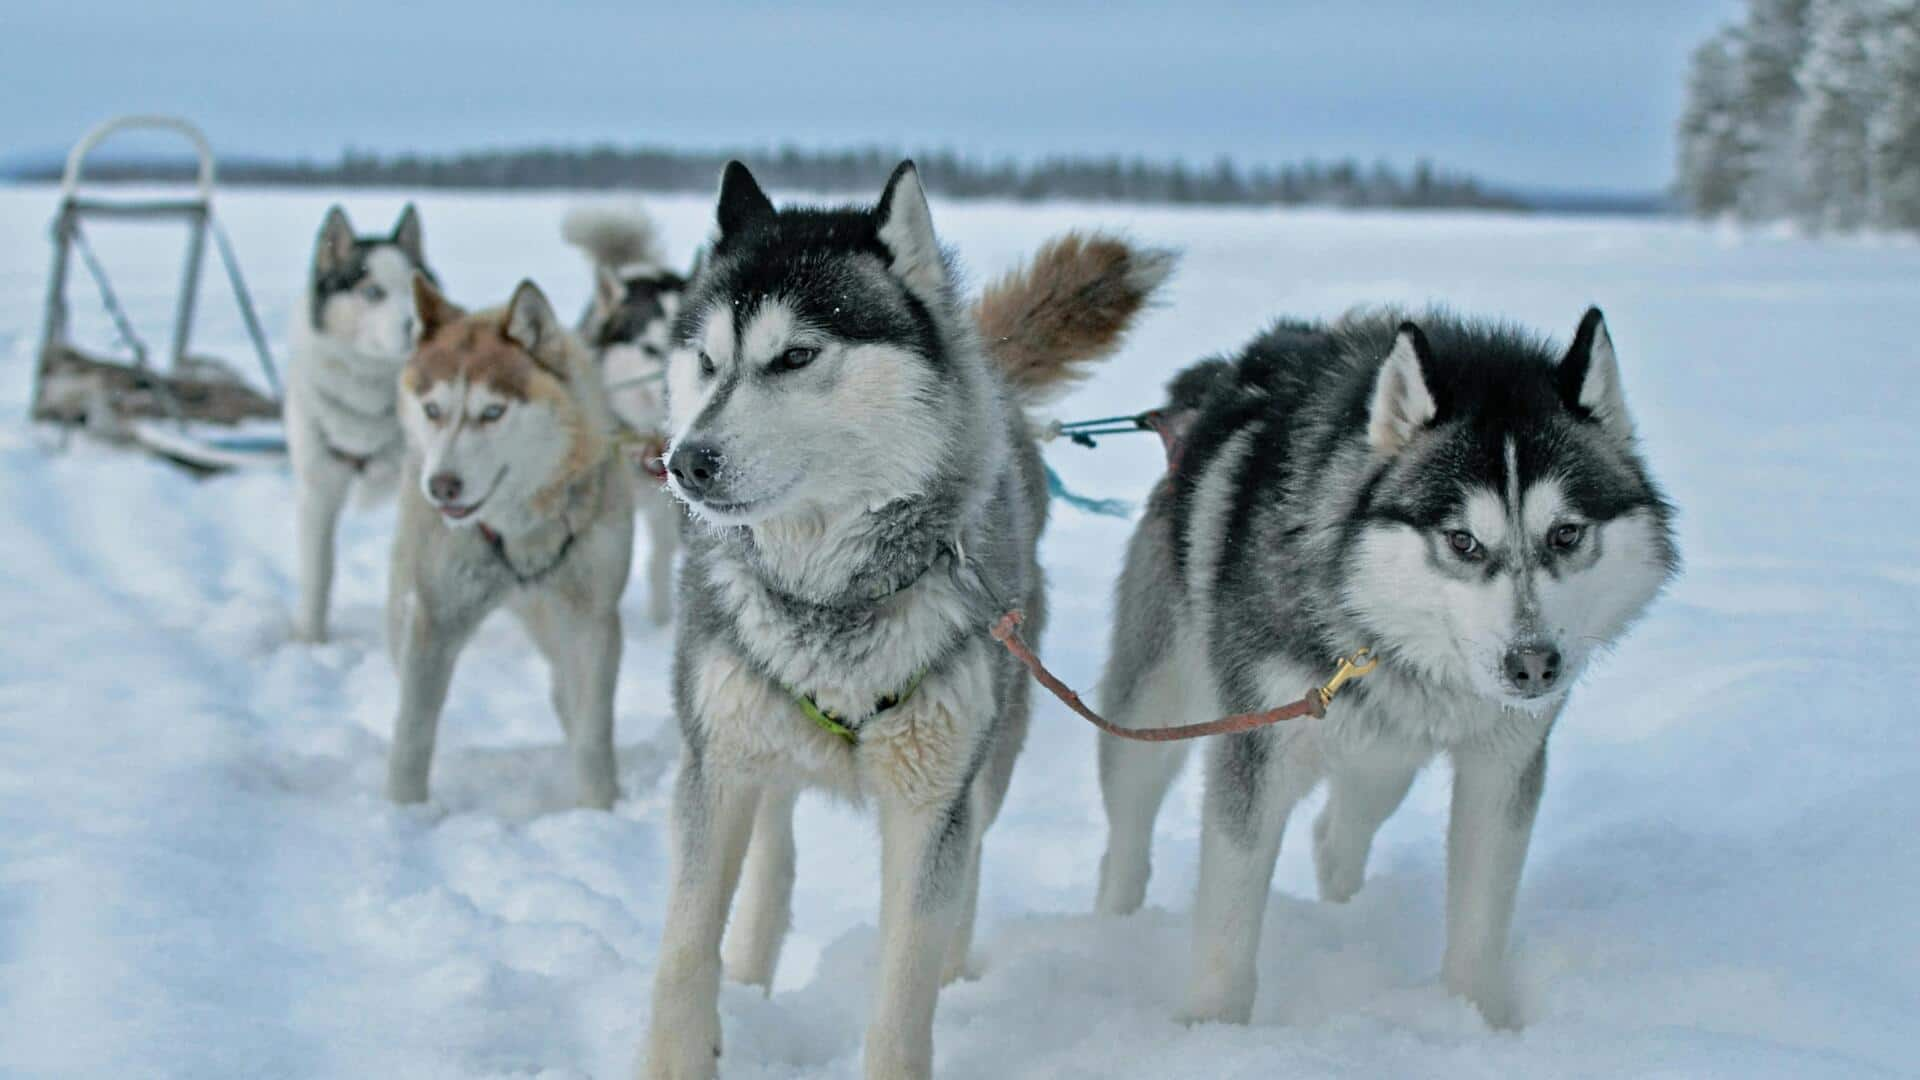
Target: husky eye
x=706 y=363
x=794 y=359
x=432 y=410
x=1466 y=545
x=1566 y=537
x=492 y=412
x=372 y=293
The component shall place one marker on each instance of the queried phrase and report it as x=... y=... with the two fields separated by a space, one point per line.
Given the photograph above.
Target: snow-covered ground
x=198 y=876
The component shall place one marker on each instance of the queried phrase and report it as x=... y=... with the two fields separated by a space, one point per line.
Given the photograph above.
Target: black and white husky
x=863 y=480
x=350 y=339
x=629 y=325
x=1459 y=498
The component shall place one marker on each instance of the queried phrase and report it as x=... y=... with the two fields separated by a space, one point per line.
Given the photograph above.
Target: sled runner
x=196 y=411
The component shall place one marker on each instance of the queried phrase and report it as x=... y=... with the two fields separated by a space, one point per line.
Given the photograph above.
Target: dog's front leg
x=322 y=490
x=924 y=850
x=1495 y=795
x=427 y=654
x=712 y=816
x=1248 y=797
x=596 y=671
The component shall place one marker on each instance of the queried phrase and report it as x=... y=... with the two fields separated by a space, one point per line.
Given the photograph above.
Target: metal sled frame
x=138 y=401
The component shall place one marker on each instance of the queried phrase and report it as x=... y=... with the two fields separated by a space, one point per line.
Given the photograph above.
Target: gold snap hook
x=1351 y=667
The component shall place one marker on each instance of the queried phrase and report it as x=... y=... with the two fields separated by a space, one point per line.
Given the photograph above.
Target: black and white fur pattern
x=840 y=435
x=1457 y=496
x=629 y=326
x=349 y=340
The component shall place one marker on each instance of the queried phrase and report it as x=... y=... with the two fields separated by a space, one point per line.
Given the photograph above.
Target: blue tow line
x=1119 y=508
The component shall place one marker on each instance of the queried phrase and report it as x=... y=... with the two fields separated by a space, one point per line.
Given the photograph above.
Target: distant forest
x=1340 y=183
x=1807 y=110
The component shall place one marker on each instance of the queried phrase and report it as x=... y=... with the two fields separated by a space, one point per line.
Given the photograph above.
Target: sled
x=195 y=411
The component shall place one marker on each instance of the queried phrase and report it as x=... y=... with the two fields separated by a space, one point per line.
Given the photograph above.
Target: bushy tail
x=612 y=236
x=1047 y=322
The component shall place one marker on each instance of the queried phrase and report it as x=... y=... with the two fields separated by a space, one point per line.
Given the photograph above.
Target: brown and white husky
x=512 y=494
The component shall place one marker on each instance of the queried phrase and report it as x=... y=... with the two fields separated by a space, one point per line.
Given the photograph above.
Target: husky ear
x=334 y=249
x=1402 y=402
x=431 y=308
x=533 y=326
x=906 y=228
x=1589 y=376
x=408 y=238
x=742 y=203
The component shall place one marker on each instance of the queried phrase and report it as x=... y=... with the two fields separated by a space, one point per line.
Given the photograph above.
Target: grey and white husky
x=349 y=340
x=862 y=479
x=628 y=324
x=1456 y=496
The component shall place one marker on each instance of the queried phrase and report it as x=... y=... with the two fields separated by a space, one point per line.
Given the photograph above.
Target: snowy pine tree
x=1837 y=95
x=1894 y=128
x=1710 y=160
x=1773 y=41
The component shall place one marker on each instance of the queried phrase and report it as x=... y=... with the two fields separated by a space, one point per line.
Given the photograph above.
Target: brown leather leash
x=1313 y=703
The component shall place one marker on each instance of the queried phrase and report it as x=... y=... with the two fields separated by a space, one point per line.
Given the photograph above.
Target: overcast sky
x=1552 y=93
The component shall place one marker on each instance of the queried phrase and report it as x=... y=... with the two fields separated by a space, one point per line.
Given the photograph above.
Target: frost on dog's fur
x=1070 y=306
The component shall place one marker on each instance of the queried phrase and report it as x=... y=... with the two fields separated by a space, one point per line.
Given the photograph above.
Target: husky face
x=361 y=290
x=630 y=327
x=1511 y=533
x=485 y=402
x=807 y=362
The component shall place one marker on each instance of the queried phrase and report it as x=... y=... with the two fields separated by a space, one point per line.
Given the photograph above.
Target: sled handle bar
x=77 y=157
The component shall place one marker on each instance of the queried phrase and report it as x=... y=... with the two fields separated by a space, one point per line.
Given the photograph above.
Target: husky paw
x=745 y=969
x=1208 y=1003
x=685 y=1050
x=1340 y=870
x=1122 y=889
x=888 y=1059
x=1491 y=994
x=959 y=969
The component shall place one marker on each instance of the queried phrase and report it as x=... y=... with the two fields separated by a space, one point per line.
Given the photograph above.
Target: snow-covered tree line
x=1808 y=109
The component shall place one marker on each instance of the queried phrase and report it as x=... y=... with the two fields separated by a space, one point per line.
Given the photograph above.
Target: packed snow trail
x=198 y=876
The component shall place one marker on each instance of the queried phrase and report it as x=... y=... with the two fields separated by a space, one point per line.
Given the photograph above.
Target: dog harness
x=832 y=723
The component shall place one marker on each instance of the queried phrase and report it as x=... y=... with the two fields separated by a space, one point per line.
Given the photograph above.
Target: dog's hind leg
x=321 y=490
x=1134 y=778
x=1495 y=796
x=765 y=908
x=1253 y=781
x=1363 y=790
x=712 y=817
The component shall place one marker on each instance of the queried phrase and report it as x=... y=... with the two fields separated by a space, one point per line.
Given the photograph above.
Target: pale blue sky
x=1550 y=94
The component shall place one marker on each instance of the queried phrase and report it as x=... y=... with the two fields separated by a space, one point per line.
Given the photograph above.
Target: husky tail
x=1046 y=323
x=613 y=237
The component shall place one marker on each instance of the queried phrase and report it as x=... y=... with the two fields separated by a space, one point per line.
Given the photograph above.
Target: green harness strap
x=831 y=724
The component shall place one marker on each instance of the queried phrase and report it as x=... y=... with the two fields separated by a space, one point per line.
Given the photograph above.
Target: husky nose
x=1533 y=669
x=444 y=487
x=694 y=466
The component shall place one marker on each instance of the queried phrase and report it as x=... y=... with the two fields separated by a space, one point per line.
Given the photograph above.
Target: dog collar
x=831 y=723
x=499 y=545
